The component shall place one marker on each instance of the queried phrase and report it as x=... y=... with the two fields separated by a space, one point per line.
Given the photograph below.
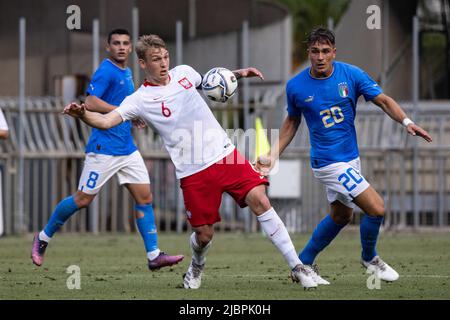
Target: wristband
x=407 y=121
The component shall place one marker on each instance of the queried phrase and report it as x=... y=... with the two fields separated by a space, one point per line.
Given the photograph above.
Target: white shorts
x=99 y=168
x=343 y=181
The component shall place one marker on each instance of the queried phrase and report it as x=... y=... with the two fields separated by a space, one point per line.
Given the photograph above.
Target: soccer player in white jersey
x=326 y=95
x=206 y=161
x=110 y=152
x=4 y=130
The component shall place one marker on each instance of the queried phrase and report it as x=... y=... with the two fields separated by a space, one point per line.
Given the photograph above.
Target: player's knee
x=264 y=202
x=379 y=210
x=260 y=204
x=83 y=203
x=147 y=198
x=204 y=238
x=342 y=218
x=82 y=200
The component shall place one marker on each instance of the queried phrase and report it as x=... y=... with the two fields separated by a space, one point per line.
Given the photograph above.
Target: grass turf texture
x=238 y=266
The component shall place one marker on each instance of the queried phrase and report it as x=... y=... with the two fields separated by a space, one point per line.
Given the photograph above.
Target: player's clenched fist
x=75 y=110
x=264 y=164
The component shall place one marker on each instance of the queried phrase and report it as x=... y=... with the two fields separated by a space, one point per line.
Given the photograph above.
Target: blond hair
x=146 y=42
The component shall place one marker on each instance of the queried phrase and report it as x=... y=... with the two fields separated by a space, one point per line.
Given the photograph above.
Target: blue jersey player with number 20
x=326 y=95
x=110 y=152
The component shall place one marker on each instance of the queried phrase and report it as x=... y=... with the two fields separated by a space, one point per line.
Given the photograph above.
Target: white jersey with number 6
x=188 y=128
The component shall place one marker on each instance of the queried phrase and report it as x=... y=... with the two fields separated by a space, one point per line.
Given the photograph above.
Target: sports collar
x=147 y=83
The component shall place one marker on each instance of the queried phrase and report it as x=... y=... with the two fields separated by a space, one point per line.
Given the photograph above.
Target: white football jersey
x=188 y=128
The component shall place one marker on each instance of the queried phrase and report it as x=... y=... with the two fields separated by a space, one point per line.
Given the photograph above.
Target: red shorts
x=203 y=190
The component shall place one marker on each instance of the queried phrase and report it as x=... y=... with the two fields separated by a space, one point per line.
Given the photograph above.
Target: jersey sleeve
x=3 y=124
x=99 y=83
x=193 y=75
x=129 y=108
x=366 y=86
x=292 y=107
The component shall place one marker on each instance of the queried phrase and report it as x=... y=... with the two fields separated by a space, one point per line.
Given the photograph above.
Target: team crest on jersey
x=343 y=89
x=185 y=83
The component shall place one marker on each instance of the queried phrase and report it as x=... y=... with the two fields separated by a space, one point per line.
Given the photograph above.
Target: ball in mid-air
x=219 y=84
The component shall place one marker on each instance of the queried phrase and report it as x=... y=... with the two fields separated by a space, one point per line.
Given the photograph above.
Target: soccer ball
x=219 y=84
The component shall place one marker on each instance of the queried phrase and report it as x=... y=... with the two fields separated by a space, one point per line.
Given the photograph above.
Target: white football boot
x=193 y=276
x=314 y=271
x=303 y=275
x=381 y=269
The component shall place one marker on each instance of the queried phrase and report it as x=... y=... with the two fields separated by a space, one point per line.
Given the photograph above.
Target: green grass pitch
x=238 y=266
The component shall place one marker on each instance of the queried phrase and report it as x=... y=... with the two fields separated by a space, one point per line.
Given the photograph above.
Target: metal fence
x=413 y=178
x=53 y=160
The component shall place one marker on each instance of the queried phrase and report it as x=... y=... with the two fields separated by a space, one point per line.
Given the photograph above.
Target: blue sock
x=147 y=227
x=324 y=233
x=63 y=211
x=369 y=229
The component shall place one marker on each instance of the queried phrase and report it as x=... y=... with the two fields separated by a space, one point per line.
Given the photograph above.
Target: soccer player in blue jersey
x=110 y=152
x=326 y=95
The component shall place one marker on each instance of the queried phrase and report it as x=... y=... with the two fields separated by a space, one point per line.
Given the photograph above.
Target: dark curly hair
x=320 y=35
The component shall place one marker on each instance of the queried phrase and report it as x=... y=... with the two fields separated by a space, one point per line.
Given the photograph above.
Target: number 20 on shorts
x=350 y=179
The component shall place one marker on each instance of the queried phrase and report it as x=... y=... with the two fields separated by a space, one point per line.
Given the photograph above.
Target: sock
x=369 y=229
x=198 y=253
x=324 y=233
x=153 y=254
x=275 y=229
x=147 y=229
x=44 y=237
x=63 y=211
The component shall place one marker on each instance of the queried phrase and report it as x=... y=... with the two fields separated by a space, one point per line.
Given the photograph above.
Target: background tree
x=308 y=14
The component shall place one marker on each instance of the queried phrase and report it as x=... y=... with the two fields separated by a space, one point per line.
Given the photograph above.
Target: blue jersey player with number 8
x=111 y=152
x=326 y=95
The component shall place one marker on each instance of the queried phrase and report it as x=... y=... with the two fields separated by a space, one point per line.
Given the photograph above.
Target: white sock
x=275 y=229
x=44 y=237
x=153 y=254
x=198 y=253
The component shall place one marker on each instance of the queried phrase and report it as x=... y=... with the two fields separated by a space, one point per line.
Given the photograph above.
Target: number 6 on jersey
x=165 y=110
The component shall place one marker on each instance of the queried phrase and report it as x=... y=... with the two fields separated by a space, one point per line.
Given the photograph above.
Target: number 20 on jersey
x=332 y=116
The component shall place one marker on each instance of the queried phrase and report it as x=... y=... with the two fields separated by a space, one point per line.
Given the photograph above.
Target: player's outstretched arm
x=393 y=110
x=288 y=130
x=94 y=119
x=96 y=104
x=248 y=73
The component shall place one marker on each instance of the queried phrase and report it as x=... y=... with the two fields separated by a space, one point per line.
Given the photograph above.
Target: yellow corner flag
x=262 y=145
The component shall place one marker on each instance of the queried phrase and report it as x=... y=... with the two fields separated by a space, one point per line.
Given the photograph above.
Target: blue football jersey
x=329 y=108
x=111 y=84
